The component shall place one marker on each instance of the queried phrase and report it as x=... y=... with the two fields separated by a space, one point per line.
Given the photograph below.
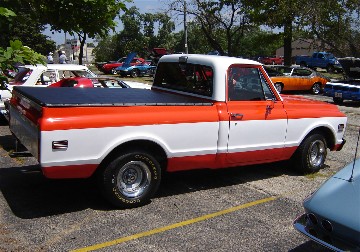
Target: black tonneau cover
x=79 y=97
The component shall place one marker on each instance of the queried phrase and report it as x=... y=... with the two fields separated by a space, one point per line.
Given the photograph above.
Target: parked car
x=319 y=59
x=332 y=213
x=135 y=70
x=109 y=68
x=299 y=78
x=274 y=60
x=348 y=89
x=41 y=76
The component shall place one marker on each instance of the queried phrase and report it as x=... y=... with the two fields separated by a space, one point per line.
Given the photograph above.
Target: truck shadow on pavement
x=30 y=195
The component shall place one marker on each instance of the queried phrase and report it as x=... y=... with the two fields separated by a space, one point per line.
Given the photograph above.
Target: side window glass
x=49 y=77
x=245 y=84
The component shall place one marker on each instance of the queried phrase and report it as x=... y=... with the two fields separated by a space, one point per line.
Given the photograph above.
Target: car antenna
x=356 y=149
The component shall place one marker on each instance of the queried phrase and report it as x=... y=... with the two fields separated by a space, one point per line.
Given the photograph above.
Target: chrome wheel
x=317 y=153
x=278 y=87
x=316 y=88
x=133 y=179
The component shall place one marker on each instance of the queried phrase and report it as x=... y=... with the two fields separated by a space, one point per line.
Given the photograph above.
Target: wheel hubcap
x=316 y=89
x=133 y=178
x=317 y=153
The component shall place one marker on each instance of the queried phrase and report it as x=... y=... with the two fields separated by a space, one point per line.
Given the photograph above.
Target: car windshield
x=329 y=55
x=22 y=75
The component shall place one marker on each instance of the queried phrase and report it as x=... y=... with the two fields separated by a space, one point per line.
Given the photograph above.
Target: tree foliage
x=85 y=18
x=16 y=53
x=336 y=25
x=23 y=27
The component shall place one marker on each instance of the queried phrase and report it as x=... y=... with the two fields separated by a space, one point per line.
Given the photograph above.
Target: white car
x=41 y=76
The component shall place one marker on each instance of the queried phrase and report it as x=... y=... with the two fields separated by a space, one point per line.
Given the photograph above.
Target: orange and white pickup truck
x=202 y=111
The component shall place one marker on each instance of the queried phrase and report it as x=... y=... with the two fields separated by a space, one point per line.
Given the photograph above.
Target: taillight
x=28 y=108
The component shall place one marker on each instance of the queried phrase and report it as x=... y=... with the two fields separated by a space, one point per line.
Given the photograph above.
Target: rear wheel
x=303 y=64
x=338 y=100
x=131 y=179
x=278 y=87
x=311 y=154
x=316 y=88
x=134 y=73
x=330 y=69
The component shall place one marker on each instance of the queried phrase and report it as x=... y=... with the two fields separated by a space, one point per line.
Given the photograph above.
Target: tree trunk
x=82 y=43
x=287 y=42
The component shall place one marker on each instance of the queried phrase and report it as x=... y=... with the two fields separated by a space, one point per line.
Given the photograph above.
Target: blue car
x=137 y=70
x=346 y=89
x=332 y=213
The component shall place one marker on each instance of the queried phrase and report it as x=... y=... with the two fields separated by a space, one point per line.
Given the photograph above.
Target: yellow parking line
x=173 y=226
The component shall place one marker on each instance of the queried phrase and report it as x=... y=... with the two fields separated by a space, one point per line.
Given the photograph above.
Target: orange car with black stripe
x=298 y=78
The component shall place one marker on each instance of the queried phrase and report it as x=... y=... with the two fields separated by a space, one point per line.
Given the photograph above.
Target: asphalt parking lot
x=239 y=209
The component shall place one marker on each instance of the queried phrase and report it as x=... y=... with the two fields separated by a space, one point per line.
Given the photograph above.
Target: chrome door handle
x=236 y=116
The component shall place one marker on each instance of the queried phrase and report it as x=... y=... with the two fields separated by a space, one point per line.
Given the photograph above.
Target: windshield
x=22 y=75
x=329 y=56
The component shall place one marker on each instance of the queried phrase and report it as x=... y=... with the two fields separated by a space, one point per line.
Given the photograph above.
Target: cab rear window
x=190 y=78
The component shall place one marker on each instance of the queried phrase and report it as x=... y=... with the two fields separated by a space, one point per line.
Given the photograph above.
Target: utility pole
x=185 y=29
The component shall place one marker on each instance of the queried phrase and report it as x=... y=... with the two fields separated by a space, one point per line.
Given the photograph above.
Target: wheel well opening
x=144 y=145
x=327 y=133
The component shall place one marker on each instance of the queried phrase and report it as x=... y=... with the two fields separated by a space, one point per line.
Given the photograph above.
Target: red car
x=109 y=68
x=272 y=60
x=77 y=82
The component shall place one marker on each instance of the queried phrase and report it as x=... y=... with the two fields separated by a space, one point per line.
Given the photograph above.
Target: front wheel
x=316 y=88
x=113 y=71
x=311 y=154
x=131 y=179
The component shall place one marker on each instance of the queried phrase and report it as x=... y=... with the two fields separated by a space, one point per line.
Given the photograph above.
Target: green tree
x=16 y=53
x=85 y=18
x=223 y=23
x=23 y=27
x=336 y=25
x=278 y=14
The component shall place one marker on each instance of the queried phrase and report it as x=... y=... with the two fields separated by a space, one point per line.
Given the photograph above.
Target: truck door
x=257 y=120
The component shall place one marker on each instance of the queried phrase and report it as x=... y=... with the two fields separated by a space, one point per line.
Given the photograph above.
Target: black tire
x=113 y=71
x=278 y=87
x=330 y=68
x=303 y=64
x=134 y=73
x=316 y=88
x=338 y=100
x=311 y=154
x=131 y=179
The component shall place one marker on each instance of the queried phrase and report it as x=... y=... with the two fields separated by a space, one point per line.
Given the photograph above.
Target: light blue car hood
x=338 y=199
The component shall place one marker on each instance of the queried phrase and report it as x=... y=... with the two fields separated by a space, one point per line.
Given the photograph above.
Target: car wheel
x=113 y=71
x=134 y=73
x=330 y=69
x=311 y=154
x=338 y=100
x=131 y=179
x=278 y=87
x=303 y=64
x=316 y=88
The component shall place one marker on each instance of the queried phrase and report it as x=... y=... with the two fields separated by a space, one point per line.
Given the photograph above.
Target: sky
x=145 y=6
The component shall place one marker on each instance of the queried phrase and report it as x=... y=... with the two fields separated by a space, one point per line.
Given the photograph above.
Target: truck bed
x=80 y=97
